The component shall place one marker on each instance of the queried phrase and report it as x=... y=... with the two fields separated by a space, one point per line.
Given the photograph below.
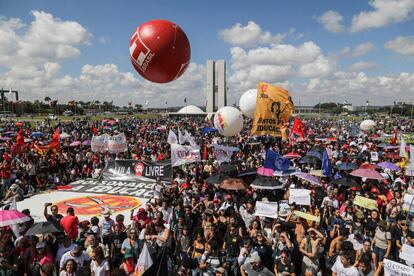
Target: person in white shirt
x=107 y=228
x=77 y=254
x=65 y=246
x=344 y=265
x=99 y=266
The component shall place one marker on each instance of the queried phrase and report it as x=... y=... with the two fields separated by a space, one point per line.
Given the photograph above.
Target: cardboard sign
x=266 y=209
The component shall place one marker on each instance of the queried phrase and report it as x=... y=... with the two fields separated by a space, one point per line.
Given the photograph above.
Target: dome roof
x=190 y=109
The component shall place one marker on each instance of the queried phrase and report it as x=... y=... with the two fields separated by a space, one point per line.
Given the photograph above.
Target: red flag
x=56 y=136
x=20 y=138
x=394 y=138
x=205 y=152
x=298 y=128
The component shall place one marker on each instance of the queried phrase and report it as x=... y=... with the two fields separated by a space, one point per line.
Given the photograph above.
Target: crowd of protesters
x=207 y=230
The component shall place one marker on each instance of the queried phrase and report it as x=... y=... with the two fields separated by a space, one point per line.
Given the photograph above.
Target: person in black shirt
x=264 y=249
x=396 y=234
x=283 y=265
x=55 y=217
x=231 y=247
x=118 y=238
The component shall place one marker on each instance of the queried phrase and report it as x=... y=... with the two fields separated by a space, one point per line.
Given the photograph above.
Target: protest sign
x=364 y=202
x=407 y=253
x=408 y=202
x=299 y=196
x=307 y=216
x=184 y=154
x=117 y=143
x=99 y=143
x=266 y=209
x=392 y=268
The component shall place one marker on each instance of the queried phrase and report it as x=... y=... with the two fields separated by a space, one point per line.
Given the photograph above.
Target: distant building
x=216 y=90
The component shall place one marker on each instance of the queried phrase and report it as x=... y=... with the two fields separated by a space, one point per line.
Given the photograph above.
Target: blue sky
x=330 y=50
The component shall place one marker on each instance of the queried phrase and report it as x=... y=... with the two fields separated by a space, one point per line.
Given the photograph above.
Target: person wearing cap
x=231 y=245
x=15 y=192
x=382 y=241
x=106 y=226
x=39 y=257
x=221 y=271
x=70 y=223
x=254 y=267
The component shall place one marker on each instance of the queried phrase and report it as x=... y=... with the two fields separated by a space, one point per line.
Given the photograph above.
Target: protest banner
x=392 y=268
x=266 y=209
x=184 y=154
x=117 y=143
x=299 y=196
x=223 y=153
x=307 y=216
x=99 y=143
x=142 y=189
x=132 y=170
x=364 y=202
x=274 y=107
x=407 y=253
x=408 y=204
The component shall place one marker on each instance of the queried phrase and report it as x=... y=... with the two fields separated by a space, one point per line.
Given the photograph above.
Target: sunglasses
x=132 y=233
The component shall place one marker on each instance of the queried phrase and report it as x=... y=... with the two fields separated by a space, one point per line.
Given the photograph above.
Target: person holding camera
x=54 y=217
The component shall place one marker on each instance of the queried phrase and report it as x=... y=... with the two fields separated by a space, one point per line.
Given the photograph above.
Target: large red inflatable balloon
x=160 y=51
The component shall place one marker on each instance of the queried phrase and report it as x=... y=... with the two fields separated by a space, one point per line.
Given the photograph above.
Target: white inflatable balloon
x=367 y=124
x=228 y=121
x=247 y=103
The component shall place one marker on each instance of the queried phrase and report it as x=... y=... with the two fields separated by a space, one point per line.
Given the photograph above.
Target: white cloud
x=249 y=36
x=104 y=39
x=385 y=12
x=401 y=45
x=276 y=64
x=360 y=50
x=362 y=65
x=31 y=58
x=356 y=87
x=331 y=21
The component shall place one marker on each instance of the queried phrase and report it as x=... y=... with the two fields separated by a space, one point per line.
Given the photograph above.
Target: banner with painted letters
x=407 y=253
x=113 y=144
x=99 y=143
x=274 y=107
x=223 y=153
x=133 y=170
x=181 y=155
x=117 y=143
x=143 y=189
x=392 y=268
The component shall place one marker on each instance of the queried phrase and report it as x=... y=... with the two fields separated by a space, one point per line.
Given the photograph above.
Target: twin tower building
x=216 y=91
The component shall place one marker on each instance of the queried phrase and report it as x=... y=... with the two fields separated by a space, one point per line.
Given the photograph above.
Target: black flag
x=160 y=266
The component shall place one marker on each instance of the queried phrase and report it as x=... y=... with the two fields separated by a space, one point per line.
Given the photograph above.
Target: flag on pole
x=10 y=91
x=274 y=107
x=172 y=137
x=326 y=164
x=403 y=145
x=394 y=137
x=146 y=102
x=188 y=138
x=181 y=137
x=160 y=266
x=185 y=99
x=144 y=261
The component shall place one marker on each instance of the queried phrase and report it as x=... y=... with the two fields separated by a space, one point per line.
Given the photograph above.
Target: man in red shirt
x=70 y=223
